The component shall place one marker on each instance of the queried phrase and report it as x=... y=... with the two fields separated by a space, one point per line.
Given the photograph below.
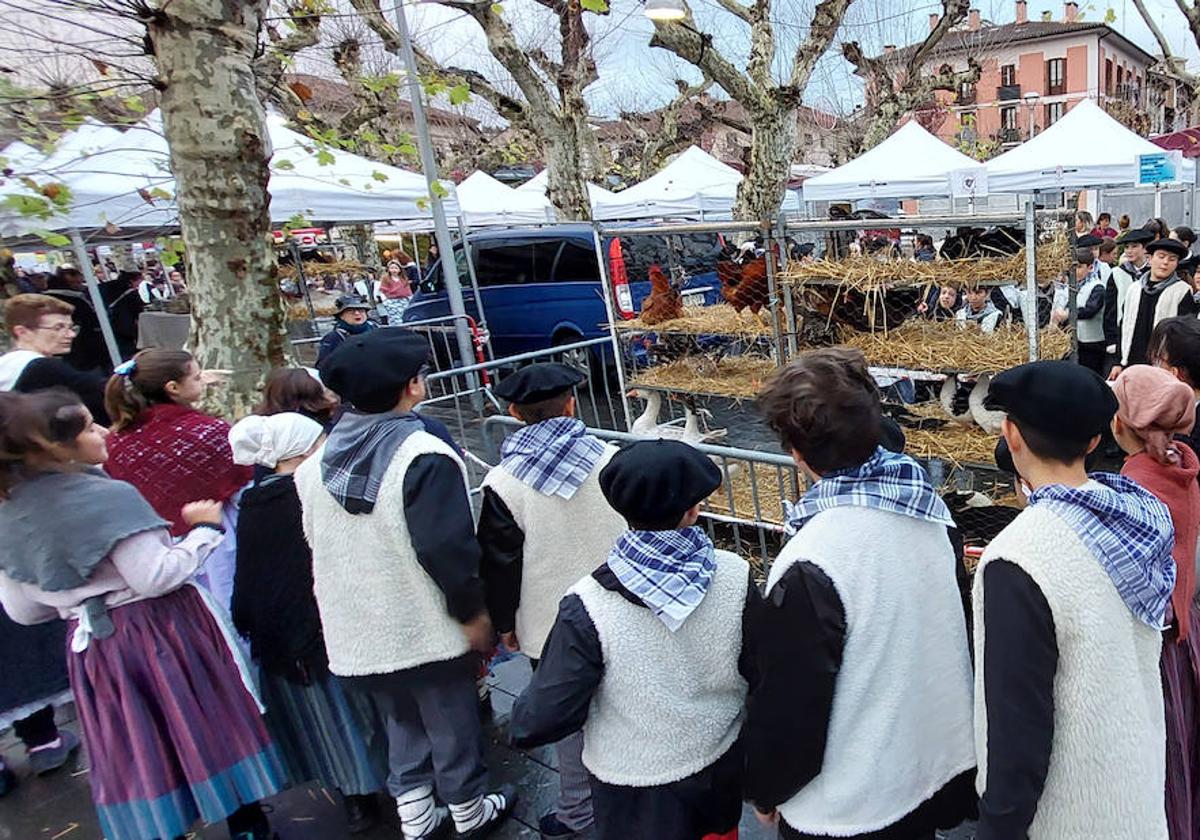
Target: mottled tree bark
x=215 y=125
x=772 y=150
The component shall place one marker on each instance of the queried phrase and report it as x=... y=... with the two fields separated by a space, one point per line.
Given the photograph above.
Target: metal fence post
x=607 y=291
x=1031 y=324
x=773 y=291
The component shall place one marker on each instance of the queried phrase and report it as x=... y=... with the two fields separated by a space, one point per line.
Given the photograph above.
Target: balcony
x=1008 y=93
x=965 y=97
x=1009 y=135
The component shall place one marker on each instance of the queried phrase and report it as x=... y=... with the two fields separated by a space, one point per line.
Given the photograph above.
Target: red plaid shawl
x=175 y=455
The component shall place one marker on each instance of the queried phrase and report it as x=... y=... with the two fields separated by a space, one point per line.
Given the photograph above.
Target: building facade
x=1034 y=71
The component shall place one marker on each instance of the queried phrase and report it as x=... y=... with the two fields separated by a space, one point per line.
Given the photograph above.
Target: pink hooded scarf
x=1156 y=406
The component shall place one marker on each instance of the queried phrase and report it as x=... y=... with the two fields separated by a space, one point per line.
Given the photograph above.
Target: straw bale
x=740 y=377
x=863 y=273
x=719 y=319
x=947 y=346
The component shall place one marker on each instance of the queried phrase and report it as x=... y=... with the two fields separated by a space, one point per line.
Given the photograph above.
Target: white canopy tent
x=540 y=182
x=486 y=202
x=912 y=163
x=1086 y=148
x=128 y=183
x=694 y=185
x=19 y=155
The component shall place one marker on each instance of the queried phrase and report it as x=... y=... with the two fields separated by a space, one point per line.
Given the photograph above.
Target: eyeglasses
x=61 y=328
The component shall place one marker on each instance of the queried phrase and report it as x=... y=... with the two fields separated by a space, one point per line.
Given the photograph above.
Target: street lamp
x=1031 y=99
x=665 y=11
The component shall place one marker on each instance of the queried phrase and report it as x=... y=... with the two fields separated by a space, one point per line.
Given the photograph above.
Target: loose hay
x=864 y=272
x=946 y=346
x=740 y=377
x=770 y=494
x=954 y=443
x=720 y=319
x=322 y=269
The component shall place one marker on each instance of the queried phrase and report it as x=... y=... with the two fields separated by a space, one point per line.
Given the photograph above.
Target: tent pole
x=89 y=276
x=1031 y=279
x=441 y=229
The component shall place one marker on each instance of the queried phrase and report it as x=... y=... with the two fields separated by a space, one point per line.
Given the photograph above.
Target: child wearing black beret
x=646 y=656
x=543 y=523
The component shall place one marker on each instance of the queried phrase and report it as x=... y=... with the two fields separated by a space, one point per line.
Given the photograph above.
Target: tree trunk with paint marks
x=214 y=122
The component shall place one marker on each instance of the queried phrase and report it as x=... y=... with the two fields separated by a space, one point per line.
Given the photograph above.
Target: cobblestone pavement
x=58 y=806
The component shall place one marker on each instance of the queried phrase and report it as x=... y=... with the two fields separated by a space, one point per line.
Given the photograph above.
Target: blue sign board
x=1158 y=168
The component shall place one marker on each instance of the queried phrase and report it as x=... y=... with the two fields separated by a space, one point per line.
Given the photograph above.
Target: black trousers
x=37 y=729
x=1092 y=356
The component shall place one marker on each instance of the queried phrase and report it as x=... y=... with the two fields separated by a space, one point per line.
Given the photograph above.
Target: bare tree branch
x=827 y=19
x=666 y=138
x=736 y=9
x=1171 y=64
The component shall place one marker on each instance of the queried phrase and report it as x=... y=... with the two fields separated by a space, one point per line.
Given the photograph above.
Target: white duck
x=989 y=421
x=949 y=389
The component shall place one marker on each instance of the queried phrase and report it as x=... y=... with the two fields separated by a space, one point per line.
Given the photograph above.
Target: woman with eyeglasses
x=172 y=452
x=41 y=332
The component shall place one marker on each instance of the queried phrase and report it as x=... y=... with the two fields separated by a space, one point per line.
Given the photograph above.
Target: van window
x=433 y=282
x=576 y=263
x=515 y=263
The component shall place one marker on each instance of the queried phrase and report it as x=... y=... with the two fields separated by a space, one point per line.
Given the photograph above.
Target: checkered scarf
x=553 y=457
x=1129 y=531
x=668 y=570
x=357 y=455
x=887 y=481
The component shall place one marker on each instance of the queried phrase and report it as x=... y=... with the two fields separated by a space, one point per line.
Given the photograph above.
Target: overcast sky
x=632 y=75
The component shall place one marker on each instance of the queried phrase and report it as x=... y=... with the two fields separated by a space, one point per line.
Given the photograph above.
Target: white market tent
x=912 y=163
x=486 y=202
x=1086 y=148
x=540 y=182
x=694 y=185
x=128 y=183
x=19 y=155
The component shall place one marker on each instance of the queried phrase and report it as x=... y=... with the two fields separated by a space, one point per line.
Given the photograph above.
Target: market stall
x=485 y=202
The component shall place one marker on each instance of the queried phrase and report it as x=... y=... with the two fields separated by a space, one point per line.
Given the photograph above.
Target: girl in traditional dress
x=172 y=452
x=1154 y=408
x=396 y=290
x=318 y=727
x=172 y=730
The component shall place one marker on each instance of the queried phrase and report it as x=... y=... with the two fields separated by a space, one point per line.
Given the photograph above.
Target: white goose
x=989 y=421
x=647 y=424
x=949 y=389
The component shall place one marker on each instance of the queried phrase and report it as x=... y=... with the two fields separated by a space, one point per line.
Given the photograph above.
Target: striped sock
x=418 y=815
x=473 y=813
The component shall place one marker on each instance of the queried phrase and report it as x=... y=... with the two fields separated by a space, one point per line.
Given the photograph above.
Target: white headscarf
x=269 y=440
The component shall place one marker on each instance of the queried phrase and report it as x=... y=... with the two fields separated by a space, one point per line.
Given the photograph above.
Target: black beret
x=1173 y=246
x=1134 y=236
x=350 y=302
x=891 y=436
x=1088 y=241
x=370 y=370
x=538 y=382
x=1190 y=263
x=658 y=480
x=1061 y=399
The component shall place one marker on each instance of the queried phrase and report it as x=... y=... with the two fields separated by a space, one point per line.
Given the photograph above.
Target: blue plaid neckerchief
x=1129 y=531
x=887 y=481
x=357 y=455
x=553 y=457
x=668 y=570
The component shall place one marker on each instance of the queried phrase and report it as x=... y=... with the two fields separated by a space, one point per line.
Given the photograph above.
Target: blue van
x=540 y=287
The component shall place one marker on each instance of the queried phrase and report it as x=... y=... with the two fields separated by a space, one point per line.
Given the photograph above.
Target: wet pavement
x=59 y=807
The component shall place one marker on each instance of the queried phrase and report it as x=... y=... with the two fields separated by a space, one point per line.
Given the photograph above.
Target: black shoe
x=8 y=780
x=508 y=798
x=551 y=826
x=362 y=813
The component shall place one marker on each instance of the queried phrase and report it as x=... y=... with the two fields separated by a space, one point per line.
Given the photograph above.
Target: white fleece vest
x=1123 y=278
x=381 y=612
x=13 y=364
x=900 y=727
x=1107 y=765
x=565 y=539
x=669 y=704
x=1166 y=307
x=1091 y=330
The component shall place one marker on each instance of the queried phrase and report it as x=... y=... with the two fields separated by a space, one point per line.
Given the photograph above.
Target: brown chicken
x=745 y=286
x=664 y=301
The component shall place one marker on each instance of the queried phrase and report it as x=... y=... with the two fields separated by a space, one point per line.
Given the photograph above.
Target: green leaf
x=422 y=204
x=1110 y=16
x=169 y=258
x=325 y=158
x=439 y=190
x=407 y=149
x=368 y=136
x=54 y=240
x=296 y=221
x=283 y=164
x=28 y=205
x=379 y=176
x=345 y=182
x=135 y=104
x=460 y=94
x=159 y=192
x=497 y=9
x=598 y=6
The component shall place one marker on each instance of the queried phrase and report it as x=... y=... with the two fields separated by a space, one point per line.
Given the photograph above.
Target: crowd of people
x=307 y=596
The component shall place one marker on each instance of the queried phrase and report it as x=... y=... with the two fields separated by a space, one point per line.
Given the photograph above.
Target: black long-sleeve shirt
x=440 y=525
x=502 y=543
x=49 y=372
x=555 y=703
x=1020 y=659
x=1091 y=307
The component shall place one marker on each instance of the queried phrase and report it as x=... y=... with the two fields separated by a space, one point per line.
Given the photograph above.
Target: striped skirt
x=323 y=735
x=1180 y=665
x=171 y=732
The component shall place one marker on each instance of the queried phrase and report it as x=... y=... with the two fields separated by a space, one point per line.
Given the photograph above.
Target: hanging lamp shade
x=665 y=10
